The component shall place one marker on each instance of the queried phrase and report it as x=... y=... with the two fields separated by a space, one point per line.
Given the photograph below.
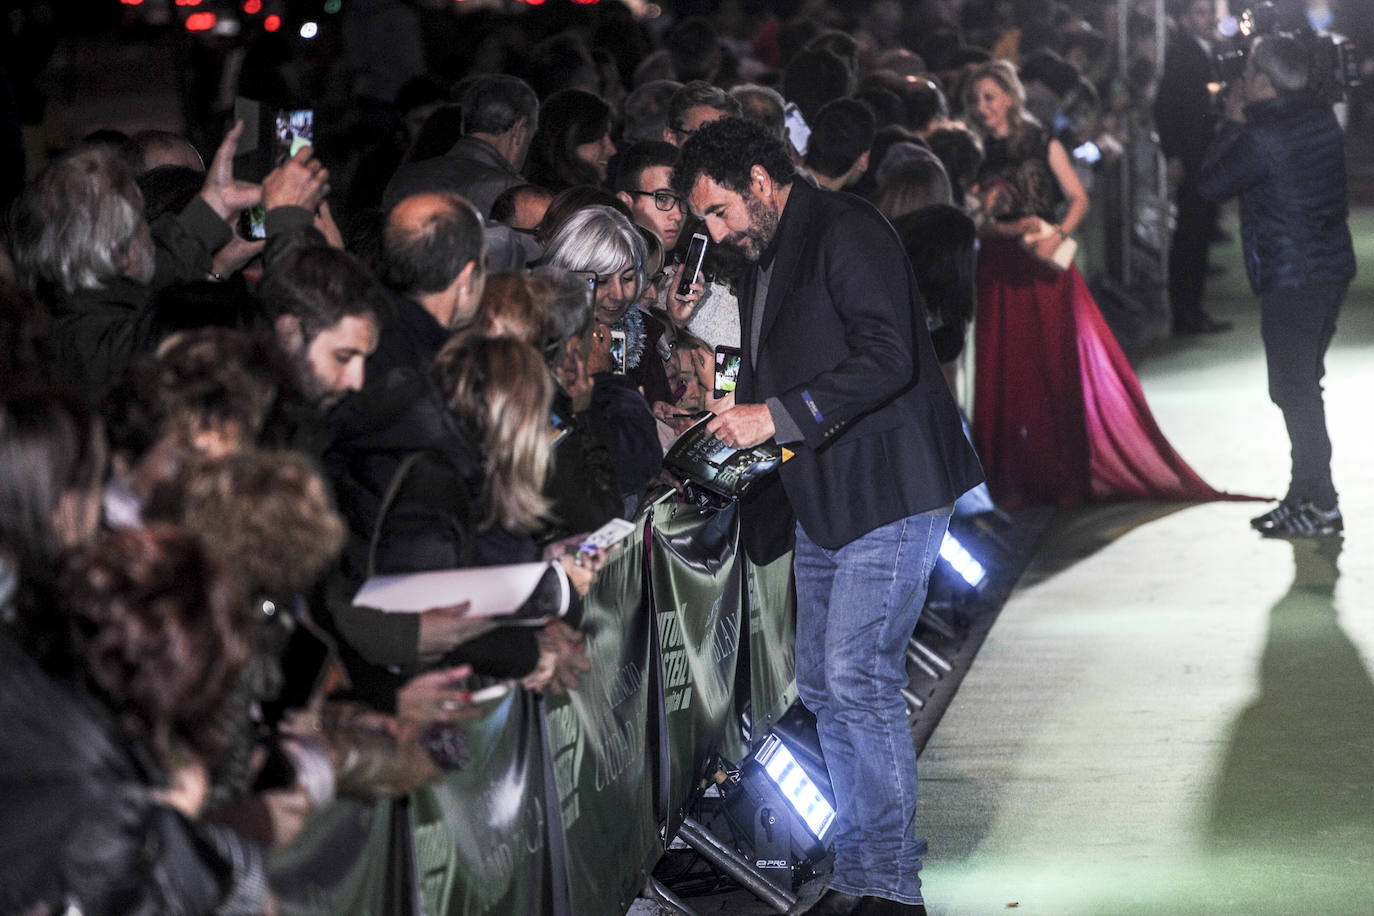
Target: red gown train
x=1059 y=416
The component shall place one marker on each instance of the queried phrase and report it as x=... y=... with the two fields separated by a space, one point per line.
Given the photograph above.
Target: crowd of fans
x=459 y=345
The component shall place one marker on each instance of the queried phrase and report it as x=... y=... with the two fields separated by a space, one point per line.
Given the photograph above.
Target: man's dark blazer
x=843 y=345
x=1183 y=105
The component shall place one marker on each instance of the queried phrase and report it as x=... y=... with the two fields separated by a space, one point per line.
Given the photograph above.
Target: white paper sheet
x=493 y=590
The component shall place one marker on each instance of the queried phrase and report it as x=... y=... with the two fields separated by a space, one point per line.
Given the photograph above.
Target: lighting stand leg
x=915 y=658
x=914 y=703
x=935 y=657
x=735 y=865
x=939 y=624
x=655 y=891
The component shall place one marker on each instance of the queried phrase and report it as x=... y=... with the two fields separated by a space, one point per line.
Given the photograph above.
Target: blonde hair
x=1003 y=74
x=501 y=389
x=517 y=305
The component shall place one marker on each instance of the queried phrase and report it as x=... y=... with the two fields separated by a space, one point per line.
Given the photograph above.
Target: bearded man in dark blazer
x=838 y=368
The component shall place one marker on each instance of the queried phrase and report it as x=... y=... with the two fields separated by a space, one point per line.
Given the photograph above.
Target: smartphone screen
x=727 y=370
x=618 y=352
x=295 y=129
x=691 y=266
x=798 y=133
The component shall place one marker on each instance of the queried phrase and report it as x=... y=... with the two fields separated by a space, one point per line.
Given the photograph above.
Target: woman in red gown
x=1059 y=417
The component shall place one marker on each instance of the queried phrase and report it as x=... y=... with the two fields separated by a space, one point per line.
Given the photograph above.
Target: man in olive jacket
x=1282 y=152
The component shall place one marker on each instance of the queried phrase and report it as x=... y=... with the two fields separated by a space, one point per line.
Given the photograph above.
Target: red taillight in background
x=201 y=22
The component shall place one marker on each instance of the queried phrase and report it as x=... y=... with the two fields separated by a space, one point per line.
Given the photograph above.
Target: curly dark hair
x=725 y=150
x=267 y=515
x=156 y=634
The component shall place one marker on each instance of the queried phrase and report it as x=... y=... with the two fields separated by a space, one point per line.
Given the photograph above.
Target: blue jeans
x=856 y=609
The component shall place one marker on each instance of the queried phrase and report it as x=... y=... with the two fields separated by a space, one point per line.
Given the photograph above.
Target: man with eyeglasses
x=695 y=104
x=644 y=184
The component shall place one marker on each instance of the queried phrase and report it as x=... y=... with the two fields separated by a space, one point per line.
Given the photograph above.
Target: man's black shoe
x=1307 y=522
x=1266 y=522
x=881 y=906
x=1201 y=324
x=834 y=903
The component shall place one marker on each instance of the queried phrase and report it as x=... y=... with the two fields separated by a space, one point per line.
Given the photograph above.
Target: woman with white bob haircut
x=600 y=245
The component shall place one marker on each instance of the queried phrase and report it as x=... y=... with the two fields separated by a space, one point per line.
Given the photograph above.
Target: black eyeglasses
x=664 y=200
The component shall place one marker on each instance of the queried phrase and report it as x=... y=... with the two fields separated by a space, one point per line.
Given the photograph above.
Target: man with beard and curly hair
x=838 y=367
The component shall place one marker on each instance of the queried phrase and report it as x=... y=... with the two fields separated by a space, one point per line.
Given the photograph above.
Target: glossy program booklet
x=700 y=458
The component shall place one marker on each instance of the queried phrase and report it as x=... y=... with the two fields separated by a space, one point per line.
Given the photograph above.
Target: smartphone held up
x=690 y=272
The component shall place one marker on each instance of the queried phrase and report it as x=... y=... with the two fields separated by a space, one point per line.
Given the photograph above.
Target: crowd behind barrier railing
x=567 y=801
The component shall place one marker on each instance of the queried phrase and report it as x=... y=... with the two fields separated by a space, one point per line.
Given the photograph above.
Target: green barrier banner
x=599 y=744
x=697 y=587
x=563 y=804
x=772 y=604
x=481 y=836
x=339 y=864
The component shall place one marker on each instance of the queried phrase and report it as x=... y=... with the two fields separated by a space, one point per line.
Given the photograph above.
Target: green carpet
x=1173 y=715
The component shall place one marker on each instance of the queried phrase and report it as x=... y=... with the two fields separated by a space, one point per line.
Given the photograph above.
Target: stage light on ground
x=309 y=30
x=780 y=803
x=801 y=793
x=962 y=562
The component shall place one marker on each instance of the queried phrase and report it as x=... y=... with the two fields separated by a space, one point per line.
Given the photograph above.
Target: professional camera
x=1335 y=69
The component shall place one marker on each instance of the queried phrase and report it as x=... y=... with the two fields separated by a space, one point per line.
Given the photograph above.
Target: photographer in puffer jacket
x=1281 y=151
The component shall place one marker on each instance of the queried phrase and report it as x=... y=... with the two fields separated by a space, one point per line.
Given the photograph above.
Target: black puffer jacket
x=1287 y=164
x=79 y=824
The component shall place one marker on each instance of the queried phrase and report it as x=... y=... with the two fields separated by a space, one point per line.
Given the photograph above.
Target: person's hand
x=437 y=696
x=571 y=546
x=187 y=789
x=287 y=812
x=682 y=310
x=717 y=405
x=415 y=766
x=1173 y=171
x=576 y=381
x=562 y=659
x=1046 y=245
x=674 y=417
x=442 y=628
x=235 y=254
x=599 y=353
x=580 y=569
x=227 y=196
x=743 y=426
x=301 y=181
x=324 y=221
x=1234 y=103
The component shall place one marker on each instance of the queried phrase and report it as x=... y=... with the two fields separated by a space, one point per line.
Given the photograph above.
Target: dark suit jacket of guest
x=1183 y=106
x=843 y=345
